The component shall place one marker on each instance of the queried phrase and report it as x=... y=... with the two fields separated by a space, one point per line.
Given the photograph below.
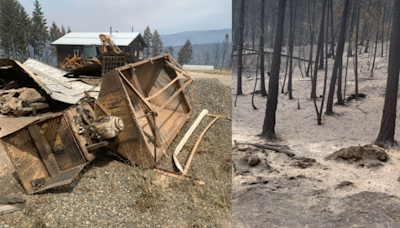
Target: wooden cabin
x=72 y=44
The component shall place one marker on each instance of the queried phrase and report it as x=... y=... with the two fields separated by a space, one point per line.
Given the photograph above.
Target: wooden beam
x=196 y=145
x=8 y=209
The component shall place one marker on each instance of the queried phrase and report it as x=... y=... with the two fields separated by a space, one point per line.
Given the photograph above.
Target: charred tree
x=319 y=112
x=338 y=58
x=311 y=23
x=292 y=17
x=332 y=35
x=272 y=101
x=261 y=52
x=388 y=124
x=356 y=52
x=240 y=50
x=317 y=56
x=376 y=47
x=383 y=29
x=273 y=23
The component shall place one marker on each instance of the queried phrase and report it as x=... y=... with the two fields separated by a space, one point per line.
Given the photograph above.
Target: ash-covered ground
x=273 y=190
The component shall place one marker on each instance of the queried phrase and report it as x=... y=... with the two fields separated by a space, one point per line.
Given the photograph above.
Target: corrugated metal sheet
x=92 y=38
x=52 y=80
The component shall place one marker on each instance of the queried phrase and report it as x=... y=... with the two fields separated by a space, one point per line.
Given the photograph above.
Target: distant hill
x=196 y=37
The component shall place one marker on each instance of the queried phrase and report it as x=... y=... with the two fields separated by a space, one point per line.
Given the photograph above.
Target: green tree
x=14 y=22
x=147 y=37
x=55 y=32
x=156 y=44
x=169 y=50
x=21 y=32
x=225 y=49
x=38 y=32
x=7 y=26
x=186 y=53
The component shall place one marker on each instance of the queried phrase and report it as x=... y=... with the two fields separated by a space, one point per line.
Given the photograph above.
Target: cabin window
x=140 y=54
x=135 y=53
x=77 y=53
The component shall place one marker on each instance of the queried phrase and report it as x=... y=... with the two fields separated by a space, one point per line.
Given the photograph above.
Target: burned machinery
x=140 y=110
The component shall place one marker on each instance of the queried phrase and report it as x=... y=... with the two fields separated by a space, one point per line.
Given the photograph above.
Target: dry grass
x=217 y=71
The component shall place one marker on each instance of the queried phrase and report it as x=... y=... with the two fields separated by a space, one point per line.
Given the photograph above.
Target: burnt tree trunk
x=272 y=101
x=319 y=112
x=383 y=29
x=332 y=35
x=262 y=71
x=317 y=56
x=291 y=43
x=273 y=23
x=311 y=22
x=240 y=51
x=376 y=47
x=356 y=52
x=338 y=58
x=387 y=130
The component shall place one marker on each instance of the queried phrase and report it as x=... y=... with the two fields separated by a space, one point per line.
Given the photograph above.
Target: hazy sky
x=167 y=16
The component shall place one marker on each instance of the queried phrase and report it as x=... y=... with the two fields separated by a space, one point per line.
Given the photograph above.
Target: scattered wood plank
x=8 y=209
x=197 y=144
x=186 y=137
x=276 y=148
x=178 y=175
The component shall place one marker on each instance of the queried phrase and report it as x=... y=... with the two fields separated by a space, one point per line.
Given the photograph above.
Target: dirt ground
x=226 y=79
x=273 y=190
x=111 y=194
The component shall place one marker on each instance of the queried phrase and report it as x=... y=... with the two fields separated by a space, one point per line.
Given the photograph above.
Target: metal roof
x=90 y=38
x=52 y=80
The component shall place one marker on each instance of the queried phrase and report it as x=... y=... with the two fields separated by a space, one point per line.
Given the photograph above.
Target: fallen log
x=278 y=149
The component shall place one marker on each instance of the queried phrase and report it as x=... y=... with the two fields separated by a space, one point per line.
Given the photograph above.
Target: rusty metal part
x=45 y=153
x=107 y=127
x=51 y=151
x=152 y=104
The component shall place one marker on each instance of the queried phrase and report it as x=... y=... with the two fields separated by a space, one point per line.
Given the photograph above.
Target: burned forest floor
x=354 y=187
x=109 y=193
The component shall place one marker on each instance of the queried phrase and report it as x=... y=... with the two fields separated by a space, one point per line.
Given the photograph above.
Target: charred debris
x=135 y=111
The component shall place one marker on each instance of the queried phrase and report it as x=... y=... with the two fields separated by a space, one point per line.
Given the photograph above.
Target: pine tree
x=21 y=32
x=14 y=22
x=186 y=53
x=69 y=30
x=147 y=37
x=156 y=44
x=169 y=50
x=225 y=47
x=63 y=32
x=7 y=26
x=39 y=34
x=55 y=32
